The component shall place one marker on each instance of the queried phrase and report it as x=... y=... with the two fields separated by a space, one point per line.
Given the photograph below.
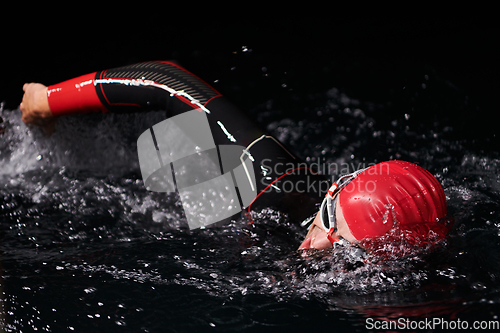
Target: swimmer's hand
x=35 y=107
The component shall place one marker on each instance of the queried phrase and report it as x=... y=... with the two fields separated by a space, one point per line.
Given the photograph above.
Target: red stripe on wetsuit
x=76 y=95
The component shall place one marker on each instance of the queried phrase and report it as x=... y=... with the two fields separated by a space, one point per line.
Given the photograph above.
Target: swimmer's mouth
x=317 y=239
x=306 y=244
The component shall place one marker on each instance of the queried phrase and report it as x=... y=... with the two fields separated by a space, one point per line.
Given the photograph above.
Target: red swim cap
x=393 y=193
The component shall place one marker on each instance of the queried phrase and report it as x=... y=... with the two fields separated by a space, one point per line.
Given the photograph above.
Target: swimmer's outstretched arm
x=146 y=86
x=156 y=85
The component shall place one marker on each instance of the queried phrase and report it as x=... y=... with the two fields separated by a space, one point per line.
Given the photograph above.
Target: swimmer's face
x=316 y=238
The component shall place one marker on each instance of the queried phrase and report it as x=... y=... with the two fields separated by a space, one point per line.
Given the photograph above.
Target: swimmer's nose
x=316 y=239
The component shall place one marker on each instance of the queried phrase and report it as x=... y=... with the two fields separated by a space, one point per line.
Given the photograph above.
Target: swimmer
x=364 y=205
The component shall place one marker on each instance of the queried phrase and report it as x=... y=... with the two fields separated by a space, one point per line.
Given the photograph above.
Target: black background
x=372 y=57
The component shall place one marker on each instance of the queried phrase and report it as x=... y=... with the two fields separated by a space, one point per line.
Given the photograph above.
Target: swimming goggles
x=329 y=203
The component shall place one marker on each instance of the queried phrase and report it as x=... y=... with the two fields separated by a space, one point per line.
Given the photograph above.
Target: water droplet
x=90 y=290
x=389 y=210
x=478 y=286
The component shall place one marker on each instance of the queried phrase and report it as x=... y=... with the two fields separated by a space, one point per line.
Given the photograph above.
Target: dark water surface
x=84 y=247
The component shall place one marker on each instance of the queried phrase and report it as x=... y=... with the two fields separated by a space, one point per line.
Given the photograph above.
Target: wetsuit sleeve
x=77 y=95
x=154 y=85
